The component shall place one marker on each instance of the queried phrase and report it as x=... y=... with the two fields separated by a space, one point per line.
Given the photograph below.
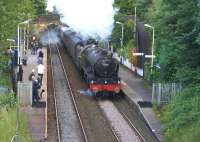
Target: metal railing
x=163 y=93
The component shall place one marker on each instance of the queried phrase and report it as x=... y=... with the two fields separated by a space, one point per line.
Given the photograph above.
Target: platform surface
x=37 y=114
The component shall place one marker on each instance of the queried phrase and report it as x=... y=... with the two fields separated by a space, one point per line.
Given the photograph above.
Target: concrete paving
x=138 y=91
x=37 y=114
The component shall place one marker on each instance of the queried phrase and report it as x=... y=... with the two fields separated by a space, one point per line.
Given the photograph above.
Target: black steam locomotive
x=98 y=69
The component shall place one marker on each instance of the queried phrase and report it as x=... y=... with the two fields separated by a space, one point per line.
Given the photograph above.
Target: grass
x=5 y=79
x=8 y=113
x=7 y=124
x=181 y=118
x=8 y=121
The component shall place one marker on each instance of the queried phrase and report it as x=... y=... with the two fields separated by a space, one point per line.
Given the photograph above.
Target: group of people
x=34 y=47
x=37 y=81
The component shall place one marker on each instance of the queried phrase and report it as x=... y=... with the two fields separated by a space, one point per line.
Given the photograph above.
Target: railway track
x=94 y=125
x=54 y=98
x=52 y=121
x=68 y=130
x=92 y=102
x=73 y=98
x=133 y=127
x=135 y=120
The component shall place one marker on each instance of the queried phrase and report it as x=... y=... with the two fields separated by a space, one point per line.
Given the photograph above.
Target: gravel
x=69 y=124
x=120 y=126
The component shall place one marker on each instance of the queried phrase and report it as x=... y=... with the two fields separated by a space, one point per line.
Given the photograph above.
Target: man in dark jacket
x=40 y=57
x=20 y=73
x=35 y=87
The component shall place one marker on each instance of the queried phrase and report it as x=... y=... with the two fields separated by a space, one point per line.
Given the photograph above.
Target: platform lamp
x=152 y=48
x=122 y=31
x=19 y=62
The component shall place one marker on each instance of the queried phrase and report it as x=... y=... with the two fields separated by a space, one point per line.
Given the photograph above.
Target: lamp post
x=122 y=31
x=135 y=20
x=152 y=48
x=19 y=62
x=19 y=40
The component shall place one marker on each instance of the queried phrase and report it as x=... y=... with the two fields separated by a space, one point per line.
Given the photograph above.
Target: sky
x=90 y=17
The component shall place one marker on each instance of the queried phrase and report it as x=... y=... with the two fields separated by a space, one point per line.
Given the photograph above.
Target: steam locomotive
x=99 y=70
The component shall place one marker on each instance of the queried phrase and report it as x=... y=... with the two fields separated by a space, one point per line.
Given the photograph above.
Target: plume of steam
x=90 y=17
x=49 y=37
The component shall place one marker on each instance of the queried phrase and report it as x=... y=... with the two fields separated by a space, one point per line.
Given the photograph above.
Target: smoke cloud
x=90 y=17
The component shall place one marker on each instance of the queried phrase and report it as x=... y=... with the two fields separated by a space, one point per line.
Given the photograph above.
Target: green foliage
x=177 y=31
x=3 y=61
x=4 y=71
x=128 y=47
x=14 y=12
x=182 y=115
x=177 y=42
x=7 y=100
x=40 y=6
x=8 y=119
x=125 y=14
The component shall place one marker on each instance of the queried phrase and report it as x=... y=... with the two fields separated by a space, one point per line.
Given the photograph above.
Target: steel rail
x=54 y=93
x=135 y=129
x=115 y=134
x=72 y=96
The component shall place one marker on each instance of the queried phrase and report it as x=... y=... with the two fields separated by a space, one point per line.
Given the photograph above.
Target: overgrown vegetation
x=8 y=101
x=177 y=48
x=5 y=80
x=8 y=119
x=13 y=13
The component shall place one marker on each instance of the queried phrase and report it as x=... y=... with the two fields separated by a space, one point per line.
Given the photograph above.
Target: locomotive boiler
x=99 y=70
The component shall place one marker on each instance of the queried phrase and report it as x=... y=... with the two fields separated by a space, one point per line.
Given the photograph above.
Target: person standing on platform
x=35 y=87
x=20 y=73
x=40 y=57
x=25 y=58
x=31 y=75
x=33 y=47
x=40 y=69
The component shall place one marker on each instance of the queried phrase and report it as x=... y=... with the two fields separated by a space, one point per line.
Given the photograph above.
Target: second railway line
x=89 y=110
x=96 y=126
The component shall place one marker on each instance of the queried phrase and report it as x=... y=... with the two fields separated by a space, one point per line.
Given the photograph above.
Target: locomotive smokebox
x=106 y=67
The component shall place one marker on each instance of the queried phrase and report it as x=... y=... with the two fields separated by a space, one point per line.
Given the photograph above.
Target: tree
x=13 y=12
x=40 y=6
x=177 y=36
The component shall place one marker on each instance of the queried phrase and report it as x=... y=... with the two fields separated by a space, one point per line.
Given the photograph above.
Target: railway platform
x=37 y=114
x=140 y=93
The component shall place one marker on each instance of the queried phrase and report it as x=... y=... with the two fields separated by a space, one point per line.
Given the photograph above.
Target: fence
x=163 y=93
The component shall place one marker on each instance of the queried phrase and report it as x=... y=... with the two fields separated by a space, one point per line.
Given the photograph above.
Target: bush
x=8 y=119
x=5 y=79
x=8 y=100
x=182 y=116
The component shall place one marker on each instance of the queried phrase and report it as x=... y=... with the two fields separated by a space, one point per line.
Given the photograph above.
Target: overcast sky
x=90 y=17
